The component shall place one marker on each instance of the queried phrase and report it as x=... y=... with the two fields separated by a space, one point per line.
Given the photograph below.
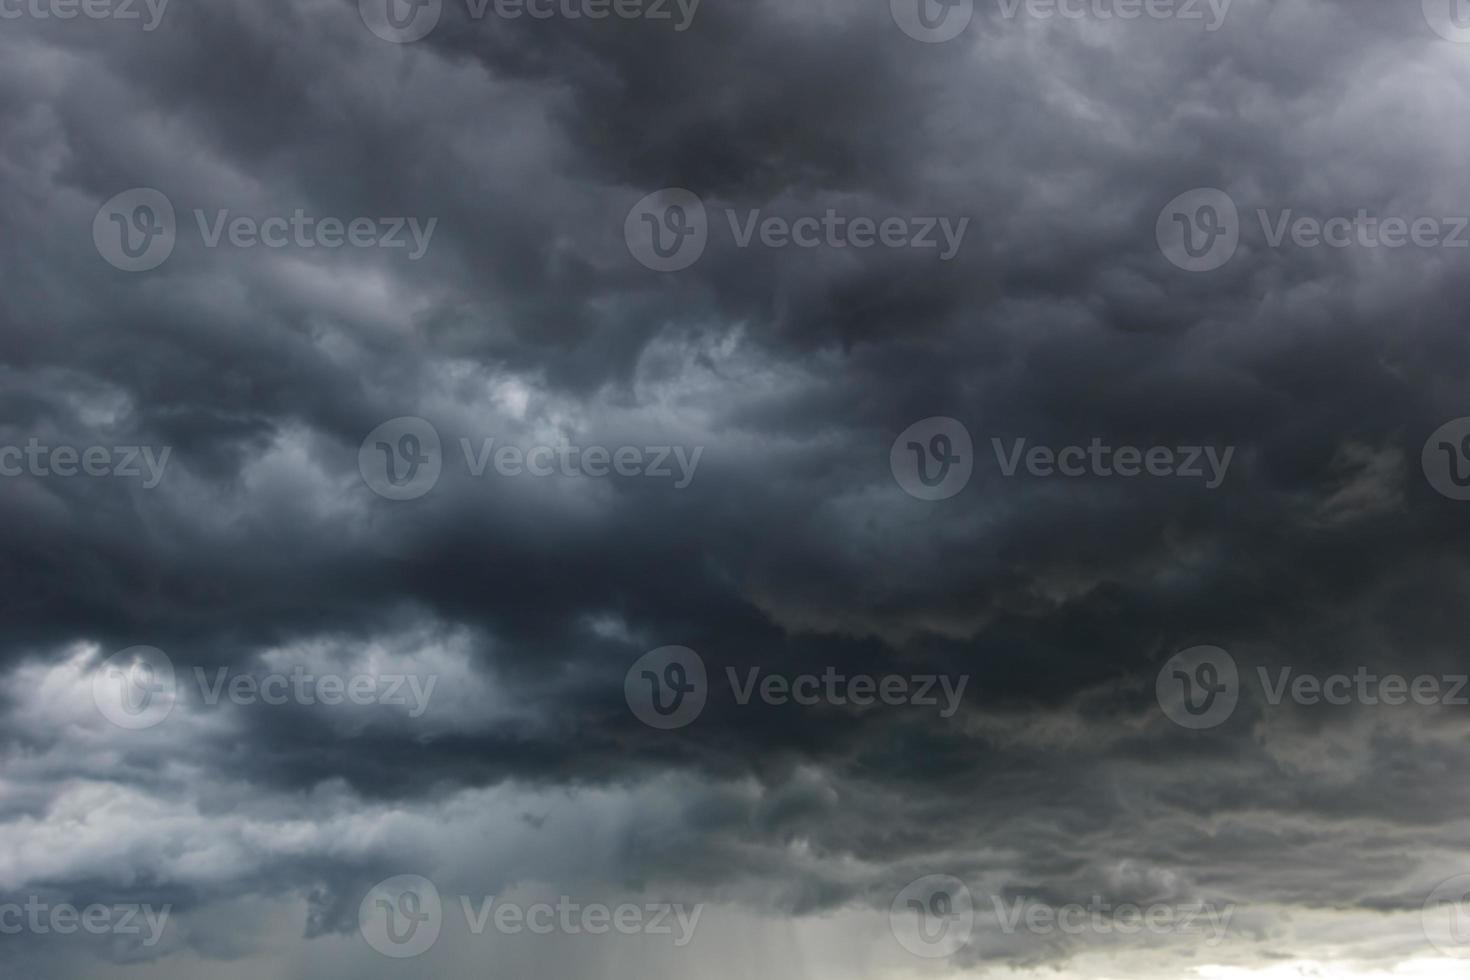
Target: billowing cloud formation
x=447 y=230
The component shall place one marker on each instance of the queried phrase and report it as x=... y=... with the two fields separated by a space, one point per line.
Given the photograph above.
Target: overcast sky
x=837 y=488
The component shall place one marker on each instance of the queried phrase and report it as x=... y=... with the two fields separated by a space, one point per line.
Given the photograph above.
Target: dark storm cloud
x=792 y=550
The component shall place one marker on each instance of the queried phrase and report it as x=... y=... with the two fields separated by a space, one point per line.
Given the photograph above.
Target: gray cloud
x=792 y=550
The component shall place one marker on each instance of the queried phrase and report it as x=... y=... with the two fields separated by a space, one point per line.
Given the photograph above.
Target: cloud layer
x=261 y=546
